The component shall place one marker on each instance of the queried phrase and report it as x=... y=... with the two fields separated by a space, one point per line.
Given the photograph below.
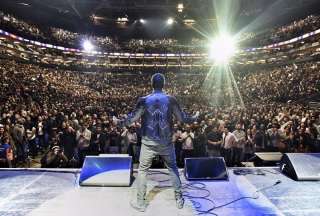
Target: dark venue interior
x=110 y=107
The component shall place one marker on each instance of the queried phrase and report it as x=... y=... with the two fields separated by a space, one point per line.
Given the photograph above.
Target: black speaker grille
x=212 y=168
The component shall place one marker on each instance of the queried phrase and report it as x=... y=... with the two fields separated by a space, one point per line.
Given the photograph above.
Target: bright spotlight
x=170 y=21
x=142 y=21
x=87 y=46
x=222 y=48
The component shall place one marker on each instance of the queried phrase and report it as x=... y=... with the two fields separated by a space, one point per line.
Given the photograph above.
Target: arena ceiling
x=99 y=16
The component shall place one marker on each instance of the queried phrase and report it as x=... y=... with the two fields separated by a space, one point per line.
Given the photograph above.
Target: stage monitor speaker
x=205 y=168
x=106 y=170
x=113 y=155
x=301 y=166
x=266 y=158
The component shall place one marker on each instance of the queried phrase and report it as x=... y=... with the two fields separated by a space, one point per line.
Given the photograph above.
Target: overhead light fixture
x=122 y=20
x=95 y=17
x=142 y=21
x=189 y=22
x=180 y=7
x=24 y=4
x=170 y=21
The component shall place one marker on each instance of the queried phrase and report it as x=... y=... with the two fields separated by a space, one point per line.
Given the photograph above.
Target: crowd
x=286 y=32
x=65 y=115
x=73 y=39
x=166 y=45
x=296 y=28
x=62 y=37
x=58 y=36
x=20 y=27
x=143 y=46
x=285 y=83
x=169 y=45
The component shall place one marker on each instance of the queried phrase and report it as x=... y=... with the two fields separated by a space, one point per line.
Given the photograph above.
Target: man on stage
x=156 y=111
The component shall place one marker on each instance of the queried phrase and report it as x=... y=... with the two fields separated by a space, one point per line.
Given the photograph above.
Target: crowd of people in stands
x=58 y=36
x=287 y=32
x=63 y=115
x=20 y=27
x=282 y=83
x=72 y=39
x=296 y=28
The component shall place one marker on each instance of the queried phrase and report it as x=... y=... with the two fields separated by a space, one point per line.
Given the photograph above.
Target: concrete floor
x=42 y=193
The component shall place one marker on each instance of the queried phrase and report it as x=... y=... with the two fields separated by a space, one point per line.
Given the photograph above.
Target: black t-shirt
x=114 y=139
x=259 y=139
x=213 y=137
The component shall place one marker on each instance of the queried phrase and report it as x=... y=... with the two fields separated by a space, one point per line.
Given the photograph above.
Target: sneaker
x=179 y=201
x=140 y=206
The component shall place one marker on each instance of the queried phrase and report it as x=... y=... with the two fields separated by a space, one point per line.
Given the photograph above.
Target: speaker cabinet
x=301 y=166
x=104 y=170
x=205 y=168
x=266 y=158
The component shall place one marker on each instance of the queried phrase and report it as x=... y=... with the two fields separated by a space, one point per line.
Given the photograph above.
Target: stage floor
x=50 y=193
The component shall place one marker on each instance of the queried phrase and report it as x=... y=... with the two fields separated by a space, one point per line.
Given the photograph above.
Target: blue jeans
x=149 y=149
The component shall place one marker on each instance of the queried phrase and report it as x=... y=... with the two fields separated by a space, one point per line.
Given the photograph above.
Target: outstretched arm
x=134 y=115
x=182 y=116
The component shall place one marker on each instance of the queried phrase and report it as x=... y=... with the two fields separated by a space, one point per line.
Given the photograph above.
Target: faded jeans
x=149 y=149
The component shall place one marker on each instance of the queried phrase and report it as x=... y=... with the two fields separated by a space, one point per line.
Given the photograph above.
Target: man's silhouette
x=156 y=112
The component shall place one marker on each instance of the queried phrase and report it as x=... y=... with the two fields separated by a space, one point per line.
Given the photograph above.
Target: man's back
x=157 y=117
x=156 y=111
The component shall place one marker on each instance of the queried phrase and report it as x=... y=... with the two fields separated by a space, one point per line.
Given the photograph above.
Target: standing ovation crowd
x=65 y=115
